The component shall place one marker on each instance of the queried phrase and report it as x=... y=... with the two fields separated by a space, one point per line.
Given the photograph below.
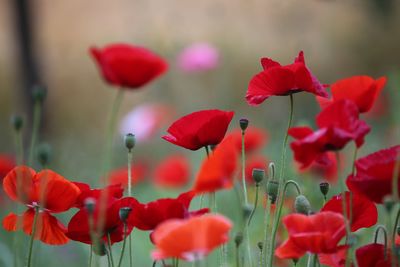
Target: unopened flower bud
x=302 y=205
x=44 y=153
x=39 y=93
x=388 y=202
x=238 y=238
x=17 y=122
x=90 y=204
x=130 y=141
x=244 y=123
x=124 y=213
x=246 y=209
x=260 y=245
x=99 y=249
x=258 y=175
x=271 y=171
x=272 y=190
x=324 y=187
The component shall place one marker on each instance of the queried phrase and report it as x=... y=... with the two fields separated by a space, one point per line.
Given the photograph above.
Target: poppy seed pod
x=90 y=204
x=100 y=249
x=324 y=187
x=258 y=175
x=260 y=245
x=244 y=123
x=17 y=122
x=130 y=141
x=124 y=213
x=302 y=205
x=39 y=93
x=388 y=203
x=246 y=209
x=238 y=239
x=272 y=190
x=44 y=153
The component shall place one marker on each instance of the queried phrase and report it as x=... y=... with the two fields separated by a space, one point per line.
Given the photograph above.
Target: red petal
x=289 y=250
x=25 y=176
x=174 y=172
x=10 y=222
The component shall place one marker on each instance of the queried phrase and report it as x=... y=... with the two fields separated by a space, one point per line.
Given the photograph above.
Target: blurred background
x=46 y=42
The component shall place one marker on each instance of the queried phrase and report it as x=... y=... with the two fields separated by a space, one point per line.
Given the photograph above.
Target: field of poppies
x=305 y=182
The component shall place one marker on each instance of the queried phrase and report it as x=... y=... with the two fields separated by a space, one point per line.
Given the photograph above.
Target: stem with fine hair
x=244 y=169
x=130 y=194
x=255 y=206
x=123 y=244
x=266 y=230
x=37 y=110
x=281 y=181
x=34 y=226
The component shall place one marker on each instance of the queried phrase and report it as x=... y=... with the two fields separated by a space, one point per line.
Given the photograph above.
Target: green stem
x=90 y=255
x=277 y=219
x=285 y=140
x=110 y=249
x=35 y=217
x=237 y=256
x=244 y=170
x=35 y=129
x=130 y=155
x=381 y=228
x=207 y=151
x=19 y=147
x=255 y=206
x=266 y=229
x=123 y=245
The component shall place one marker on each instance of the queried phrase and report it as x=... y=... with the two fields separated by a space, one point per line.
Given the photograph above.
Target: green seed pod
x=90 y=204
x=130 y=141
x=302 y=205
x=246 y=209
x=272 y=190
x=388 y=203
x=44 y=154
x=17 y=122
x=238 y=238
x=39 y=93
x=324 y=187
x=258 y=175
x=260 y=245
x=244 y=123
x=124 y=213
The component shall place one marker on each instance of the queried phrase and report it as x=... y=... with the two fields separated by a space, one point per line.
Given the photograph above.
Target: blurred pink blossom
x=198 y=57
x=145 y=120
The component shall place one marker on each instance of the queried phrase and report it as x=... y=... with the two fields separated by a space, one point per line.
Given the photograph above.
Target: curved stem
x=123 y=245
x=35 y=217
x=380 y=228
x=243 y=170
x=255 y=206
x=35 y=128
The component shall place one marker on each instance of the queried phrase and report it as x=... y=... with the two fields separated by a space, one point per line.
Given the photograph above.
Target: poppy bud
x=39 y=93
x=272 y=190
x=271 y=171
x=43 y=153
x=246 y=209
x=260 y=245
x=244 y=123
x=388 y=202
x=324 y=187
x=90 y=204
x=124 y=213
x=99 y=249
x=258 y=175
x=302 y=205
x=17 y=122
x=130 y=141
x=238 y=239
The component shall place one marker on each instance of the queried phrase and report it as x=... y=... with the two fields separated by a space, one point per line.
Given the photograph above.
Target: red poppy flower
x=47 y=191
x=362 y=90
x=217 y=171
x=79 y=228
x=374 y=174
x=120 y=175
x=338 y=124
x=7 y=163
x=337 y=259
x=364 y=212
x=113 y=193
x=128 y=66
x=199 y=129
x=254 y=139
x=373 y=255
x=277 y=80
x=318 y=233
x=325 y=167
x=191 y=239
x=173 y=172
x=254 y=162
x=148 y=216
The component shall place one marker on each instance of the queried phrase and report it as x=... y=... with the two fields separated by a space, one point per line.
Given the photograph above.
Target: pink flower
x=198 y=57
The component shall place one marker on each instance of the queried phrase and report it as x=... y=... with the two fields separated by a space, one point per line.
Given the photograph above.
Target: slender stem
x=123 y=245
x=35 y=218
x=237 y=256
x=309 y=260
x=35 y=128
x=266 y=229
x=255 y=206
x=110 y=249
x=260 y=258
x=130 y=251
x=90 y=255
x=19 y=147
x=130 y=154
x=244 y=170
x=285 y=140
x=207 y=151
x=154 y=263
x=381 y=228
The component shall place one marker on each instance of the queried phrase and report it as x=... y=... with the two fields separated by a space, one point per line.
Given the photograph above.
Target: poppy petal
x=24 y=176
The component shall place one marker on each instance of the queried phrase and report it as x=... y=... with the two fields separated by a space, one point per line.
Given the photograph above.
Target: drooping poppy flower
x=373 y=255
x=254 y=162
x=318 y=233
x=173 y=172
x=120 y=175
x=337 y=259
x=364 y=212
x=145 y=120
x=79 y=226
x=362 y=90
x=217 y=171
x=45 y=191
x=7 y=163
x=278 y=80
x=191 y=239
x=374 y=174
x=254 y=139
x=338 y=124
x=128 y=66
x=198 y=57
x=199 y=129
x=148 y=216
